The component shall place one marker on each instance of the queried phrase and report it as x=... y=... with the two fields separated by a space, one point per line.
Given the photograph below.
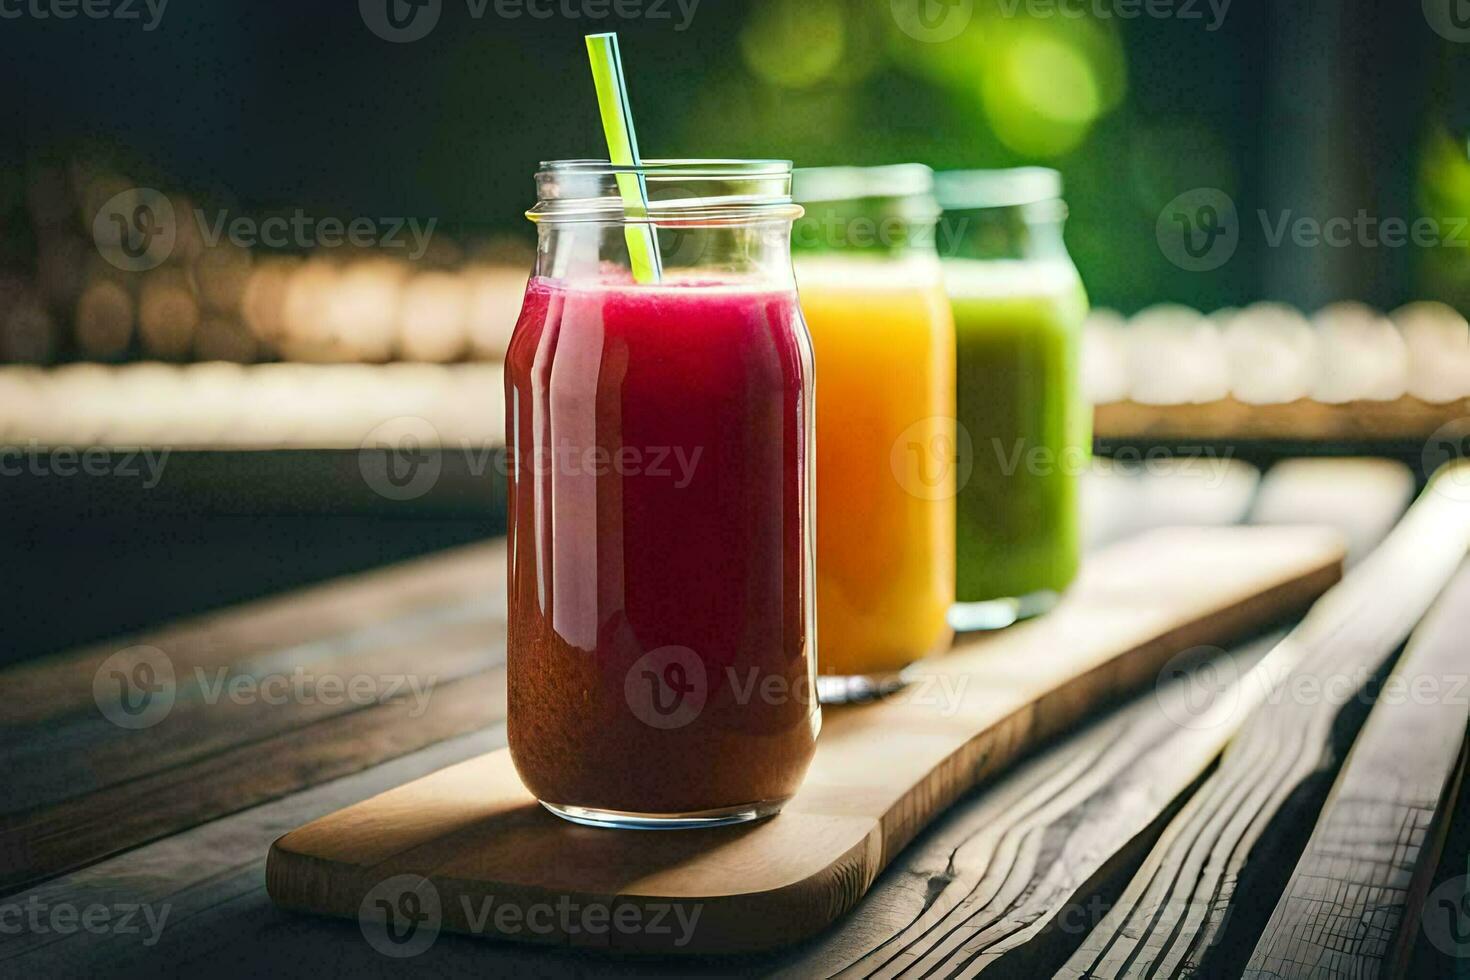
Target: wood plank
x=1203 y=893
x=56 y=839
x=257 y=406
x=70 y=768
x=1299 y=421
x=338 y=613
x=39 y=845
x=211 y=877
x=210 y=882
x=1121 y=500
x=1011 y=880
x=83 y=788
x=1352 y=905
x=201 y=874
x=228 y=889
x=882 y=771
x=228 y=706
x=1361 y=497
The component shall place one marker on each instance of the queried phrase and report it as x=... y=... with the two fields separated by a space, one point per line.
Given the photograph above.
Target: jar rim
x=967 y=190
x=678 y=191
x=688 y=167
x=901 y=190
x=821 y=185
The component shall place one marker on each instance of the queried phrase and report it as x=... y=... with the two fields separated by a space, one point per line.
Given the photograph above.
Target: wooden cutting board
x=467 y=849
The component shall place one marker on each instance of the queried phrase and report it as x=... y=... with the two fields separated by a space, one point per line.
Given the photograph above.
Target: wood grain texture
x=1364 y=498
x=882 y=771
x=80 y=788
x=1120 y=500
x=1351 y=908
x=336 y=613
x=37 y=845
x=204 y=876
x=426 y=638
x=1200 y=900
x=1011 y=881
x=1298 y=421
x=233 y=406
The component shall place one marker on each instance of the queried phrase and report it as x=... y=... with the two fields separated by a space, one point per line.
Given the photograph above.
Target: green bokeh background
x=1314 y=108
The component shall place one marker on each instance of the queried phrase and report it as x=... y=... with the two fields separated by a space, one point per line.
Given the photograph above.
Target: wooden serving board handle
x=468 y=849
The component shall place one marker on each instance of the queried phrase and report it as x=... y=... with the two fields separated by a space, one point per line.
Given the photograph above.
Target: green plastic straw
x=622 y=148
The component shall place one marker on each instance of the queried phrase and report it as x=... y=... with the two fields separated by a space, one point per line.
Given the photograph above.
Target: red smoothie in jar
x=661 y=648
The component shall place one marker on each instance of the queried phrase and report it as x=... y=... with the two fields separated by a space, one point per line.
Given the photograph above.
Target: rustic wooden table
x=133 y=840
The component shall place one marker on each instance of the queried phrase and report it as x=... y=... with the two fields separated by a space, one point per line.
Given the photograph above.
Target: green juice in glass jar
x=1025 y=428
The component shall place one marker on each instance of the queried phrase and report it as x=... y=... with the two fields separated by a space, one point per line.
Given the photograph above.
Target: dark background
x=1315 y=107
x=1318 y=107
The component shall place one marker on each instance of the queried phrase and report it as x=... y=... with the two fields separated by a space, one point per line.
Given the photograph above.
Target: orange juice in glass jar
x=883 y=343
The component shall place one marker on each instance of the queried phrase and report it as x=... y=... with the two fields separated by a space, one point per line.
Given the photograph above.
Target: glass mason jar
x=662 y=628
x=1024 y=421
x=873 y=296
